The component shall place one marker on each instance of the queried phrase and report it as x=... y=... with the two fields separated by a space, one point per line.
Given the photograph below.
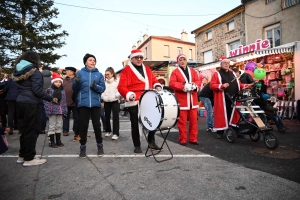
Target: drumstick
x=234 y=79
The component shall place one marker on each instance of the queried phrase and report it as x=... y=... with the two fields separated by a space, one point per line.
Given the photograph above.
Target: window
x=166 y=50
x=233 y=45
x=146 y=53
x=179 y=50
x=190 y=54
x=207 y=56
x=230 y=26
x=269 y=1
x=289 y=3
x=209 y=35
x=273 y=33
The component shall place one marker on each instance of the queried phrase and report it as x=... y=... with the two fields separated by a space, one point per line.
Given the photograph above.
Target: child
x=56 y=112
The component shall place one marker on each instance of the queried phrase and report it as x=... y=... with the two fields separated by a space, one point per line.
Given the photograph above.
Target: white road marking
x=117 y=156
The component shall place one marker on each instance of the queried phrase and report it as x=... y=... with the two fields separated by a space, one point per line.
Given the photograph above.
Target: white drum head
x=150 y=110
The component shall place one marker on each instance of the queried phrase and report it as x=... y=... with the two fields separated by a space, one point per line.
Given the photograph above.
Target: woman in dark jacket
x=30 y=94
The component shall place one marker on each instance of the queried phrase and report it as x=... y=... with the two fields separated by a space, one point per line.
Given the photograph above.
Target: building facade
x=218 y=37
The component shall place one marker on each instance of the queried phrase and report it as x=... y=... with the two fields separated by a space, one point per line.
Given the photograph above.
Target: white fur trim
x=136 y=54
x=158 y=84
x=129 y=94
x=57 y=79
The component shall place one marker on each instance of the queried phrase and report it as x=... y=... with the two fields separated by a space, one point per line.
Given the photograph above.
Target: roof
x=165 y=38
x=220 y=19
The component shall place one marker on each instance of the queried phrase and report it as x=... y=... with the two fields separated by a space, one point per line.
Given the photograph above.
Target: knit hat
x=87 y=56
x=71 y=68
x=180 y=56
x=56 y=77
x=136 y=52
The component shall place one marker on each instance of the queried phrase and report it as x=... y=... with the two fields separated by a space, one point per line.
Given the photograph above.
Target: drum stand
x=153 y=152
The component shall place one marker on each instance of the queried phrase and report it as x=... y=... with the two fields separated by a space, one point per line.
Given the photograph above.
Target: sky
x=110 y=35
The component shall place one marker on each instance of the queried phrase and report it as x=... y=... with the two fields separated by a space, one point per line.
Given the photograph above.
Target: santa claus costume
x=185 y=83
x=224 y=116
x=134 y=80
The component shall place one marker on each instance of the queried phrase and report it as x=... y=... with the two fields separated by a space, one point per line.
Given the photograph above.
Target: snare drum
x=246 y=94
x=158 y=110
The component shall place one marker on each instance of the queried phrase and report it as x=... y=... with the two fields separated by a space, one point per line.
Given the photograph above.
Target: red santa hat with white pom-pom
x=56 y=77
x=136 y=52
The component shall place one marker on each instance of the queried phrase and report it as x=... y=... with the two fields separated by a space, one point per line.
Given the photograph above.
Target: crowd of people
x=34 y=95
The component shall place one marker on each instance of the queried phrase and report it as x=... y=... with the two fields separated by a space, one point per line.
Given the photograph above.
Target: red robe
x=132 y=82
x=188 y=102
x=220 y=116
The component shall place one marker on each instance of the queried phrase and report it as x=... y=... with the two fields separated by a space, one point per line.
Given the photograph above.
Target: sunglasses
x=139 y=57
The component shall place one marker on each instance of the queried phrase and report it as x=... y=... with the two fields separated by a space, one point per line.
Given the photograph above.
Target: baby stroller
x=252 y=119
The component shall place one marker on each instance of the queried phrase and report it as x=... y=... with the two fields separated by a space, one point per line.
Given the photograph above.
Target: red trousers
x=193 y=125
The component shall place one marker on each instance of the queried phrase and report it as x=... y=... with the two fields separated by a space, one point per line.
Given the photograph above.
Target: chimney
x=133 y=47
x=139 y=43
x=184 y=36
x=145 y=37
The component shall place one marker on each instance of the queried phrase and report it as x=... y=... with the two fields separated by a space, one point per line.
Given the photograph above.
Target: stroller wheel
x=255 y=136
x=230 y=135
x=270 y=140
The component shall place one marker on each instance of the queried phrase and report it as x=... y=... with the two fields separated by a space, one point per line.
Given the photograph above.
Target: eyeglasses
x=139 y=57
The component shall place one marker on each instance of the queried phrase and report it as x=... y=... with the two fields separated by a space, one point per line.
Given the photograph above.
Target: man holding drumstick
x=134 y=80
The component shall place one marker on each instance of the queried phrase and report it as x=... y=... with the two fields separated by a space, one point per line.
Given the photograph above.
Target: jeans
x=209 y=110
x=102 y=116
x=66 y=122
x=276 y=120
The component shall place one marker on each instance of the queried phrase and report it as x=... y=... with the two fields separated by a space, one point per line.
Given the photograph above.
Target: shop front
x=282 y=66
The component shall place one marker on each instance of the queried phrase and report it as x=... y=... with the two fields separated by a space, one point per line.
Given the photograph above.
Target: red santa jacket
x=132 y=82
x=187 y=100
x=220 y=116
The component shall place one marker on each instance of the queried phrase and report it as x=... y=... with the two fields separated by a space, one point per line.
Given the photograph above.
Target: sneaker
x=20 y=160
x=100 y=150
x=82 y=153
x=114 y=137
x=76 y=138
x=33 y=162
x=107 y=134
x=138 y=150
x=65 y=134
x=213 y=130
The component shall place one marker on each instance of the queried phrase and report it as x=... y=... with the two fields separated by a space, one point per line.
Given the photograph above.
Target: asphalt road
x=215 y=169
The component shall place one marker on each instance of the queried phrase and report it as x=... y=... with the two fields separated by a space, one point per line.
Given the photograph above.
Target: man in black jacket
x=206 y=96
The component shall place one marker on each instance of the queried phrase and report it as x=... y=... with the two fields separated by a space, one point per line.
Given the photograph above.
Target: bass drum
x=158 y=110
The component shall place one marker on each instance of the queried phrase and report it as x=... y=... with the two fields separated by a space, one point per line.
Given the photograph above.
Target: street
x=215 y=169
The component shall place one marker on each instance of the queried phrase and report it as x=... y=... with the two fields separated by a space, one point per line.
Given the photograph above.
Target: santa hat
x=224 y=59
x=56 y=77
x=136 y=52
x=180 y=56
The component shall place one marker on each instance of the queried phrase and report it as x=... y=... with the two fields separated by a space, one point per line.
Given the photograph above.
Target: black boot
x=152 y=144
x=58 y=142
x=52 y=143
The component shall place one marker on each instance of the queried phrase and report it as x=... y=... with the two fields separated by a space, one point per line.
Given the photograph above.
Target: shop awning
x=256 y=54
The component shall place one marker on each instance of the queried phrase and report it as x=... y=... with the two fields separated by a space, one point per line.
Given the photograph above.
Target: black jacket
x=207 y=93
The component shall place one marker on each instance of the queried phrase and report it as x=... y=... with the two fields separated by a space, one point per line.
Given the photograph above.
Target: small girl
x=56 y=111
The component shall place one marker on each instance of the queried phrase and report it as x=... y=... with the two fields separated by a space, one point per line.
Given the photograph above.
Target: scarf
x=57 y=92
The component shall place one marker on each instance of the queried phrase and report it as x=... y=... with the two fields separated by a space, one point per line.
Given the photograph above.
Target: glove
x=187 y=87
x=48 y=90
x=93 y=84
x=77 y=79
x=64 y=116
x=55 y=100
x=194 y=86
